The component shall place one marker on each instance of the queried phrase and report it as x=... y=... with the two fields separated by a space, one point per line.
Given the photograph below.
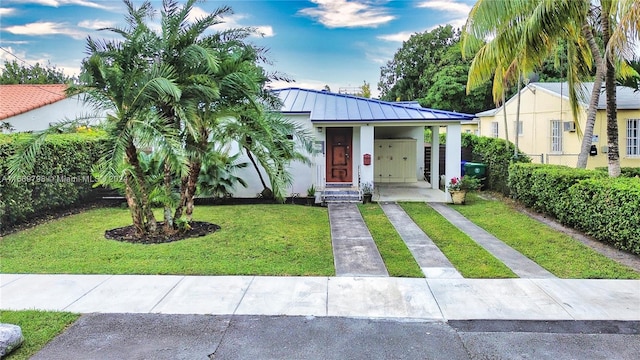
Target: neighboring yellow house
x=547 y=132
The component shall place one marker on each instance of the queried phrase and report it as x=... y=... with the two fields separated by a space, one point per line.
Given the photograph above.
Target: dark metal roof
x=328 y=106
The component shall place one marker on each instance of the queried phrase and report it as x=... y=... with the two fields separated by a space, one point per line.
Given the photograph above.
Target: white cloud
x=266 y=31
x=45 y=28
x=7 y=11
x=96 y=24
x=348 y=13
x=43 y=60
x=397 y=37
x=450 y=6
x=58 y=3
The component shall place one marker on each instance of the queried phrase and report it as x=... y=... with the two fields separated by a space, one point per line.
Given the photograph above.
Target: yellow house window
x=633 y=137
x=556 y=136
x=518 y=127
x=494 y=129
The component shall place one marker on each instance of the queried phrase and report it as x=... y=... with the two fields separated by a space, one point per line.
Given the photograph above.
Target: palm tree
x=533 y=28
x=118 y=77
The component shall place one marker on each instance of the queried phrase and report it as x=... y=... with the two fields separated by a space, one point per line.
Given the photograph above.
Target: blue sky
x=340 y=43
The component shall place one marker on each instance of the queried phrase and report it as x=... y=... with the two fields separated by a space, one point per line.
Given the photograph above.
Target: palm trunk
x=587 y=135
x=134 y=208
x=194 y=173
x=506 y=124
x=149 y=219
x=613 y=154
x=255 y=165
x=168 y=227
x=517 y=132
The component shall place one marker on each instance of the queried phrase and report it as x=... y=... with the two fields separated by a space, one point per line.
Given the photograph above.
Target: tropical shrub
x=497 y=155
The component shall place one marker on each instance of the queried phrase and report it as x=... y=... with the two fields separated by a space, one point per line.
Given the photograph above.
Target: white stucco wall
x=39 y=119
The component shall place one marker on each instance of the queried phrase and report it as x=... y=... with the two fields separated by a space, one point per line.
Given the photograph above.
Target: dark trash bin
x=476 y=170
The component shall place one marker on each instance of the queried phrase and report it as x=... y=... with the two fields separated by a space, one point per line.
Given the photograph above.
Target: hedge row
x=497 y=154
x=606 y=208
x=61 y=175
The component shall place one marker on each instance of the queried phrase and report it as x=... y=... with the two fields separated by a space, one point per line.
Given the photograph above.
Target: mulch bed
x=127 y=233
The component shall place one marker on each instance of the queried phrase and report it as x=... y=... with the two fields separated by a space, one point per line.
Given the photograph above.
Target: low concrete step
x=340 y=196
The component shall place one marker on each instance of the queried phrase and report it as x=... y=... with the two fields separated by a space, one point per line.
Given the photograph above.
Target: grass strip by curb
x=560 y=254
x=397 y=257
x=471 y=260
x=38 y=328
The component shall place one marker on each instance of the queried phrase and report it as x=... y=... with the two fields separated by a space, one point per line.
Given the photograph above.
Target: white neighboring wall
x=39 y=119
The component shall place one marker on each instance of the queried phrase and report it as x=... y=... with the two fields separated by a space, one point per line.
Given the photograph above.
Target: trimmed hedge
x=588 y=200
x=61 y=176
x=609 y=210
x=497 y=155
x=624 y=172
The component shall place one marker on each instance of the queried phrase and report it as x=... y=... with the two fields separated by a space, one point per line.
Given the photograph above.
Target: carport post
x=435 y=157
x=454 y=145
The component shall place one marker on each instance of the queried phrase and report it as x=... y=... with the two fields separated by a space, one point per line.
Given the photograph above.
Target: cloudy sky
x=340 y=43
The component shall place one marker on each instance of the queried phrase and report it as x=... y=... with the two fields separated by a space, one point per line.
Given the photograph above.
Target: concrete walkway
x=431 y=260
x=354 y=251
x=359 y=297
x=518 y=263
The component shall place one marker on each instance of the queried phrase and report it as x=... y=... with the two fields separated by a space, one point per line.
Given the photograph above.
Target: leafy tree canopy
x=429 y=68
x=15 y=73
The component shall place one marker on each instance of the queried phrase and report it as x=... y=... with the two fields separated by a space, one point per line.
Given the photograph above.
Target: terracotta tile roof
x=18 y=99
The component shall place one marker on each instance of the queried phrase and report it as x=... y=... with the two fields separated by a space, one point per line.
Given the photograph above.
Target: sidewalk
x=358 y=297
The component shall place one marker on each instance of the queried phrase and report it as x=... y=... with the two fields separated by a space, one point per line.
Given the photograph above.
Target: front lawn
x=395 y=254
x=254 y=240
x=562 y=255
x=469 y=258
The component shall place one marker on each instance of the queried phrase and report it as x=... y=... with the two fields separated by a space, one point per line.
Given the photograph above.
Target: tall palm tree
x=533 y=28
x=117 y=76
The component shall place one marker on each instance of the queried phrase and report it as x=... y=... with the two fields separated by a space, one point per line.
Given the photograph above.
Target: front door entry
x=339 y=168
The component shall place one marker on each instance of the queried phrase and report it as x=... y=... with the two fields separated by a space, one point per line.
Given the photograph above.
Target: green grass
x=397 y=257
x=38 y=328
x=560 y=254
x=254 y=240
x=471 y=260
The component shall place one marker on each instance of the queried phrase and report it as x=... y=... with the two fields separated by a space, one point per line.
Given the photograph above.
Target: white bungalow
x=362 y=140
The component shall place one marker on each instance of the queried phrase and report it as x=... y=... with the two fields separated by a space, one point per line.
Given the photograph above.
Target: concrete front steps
x=337 y=195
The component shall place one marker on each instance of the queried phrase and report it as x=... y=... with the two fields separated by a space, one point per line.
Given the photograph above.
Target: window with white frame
x=494 y=129
x=519 y=127
x=633 y=137
x=556 y=136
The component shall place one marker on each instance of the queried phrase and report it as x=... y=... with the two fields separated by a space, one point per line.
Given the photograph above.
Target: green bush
x=608 y=209
x=497 y=155
x=551 y=183
x=588 y=200
x=61 y=175
x=520 y=182
x=624 y=172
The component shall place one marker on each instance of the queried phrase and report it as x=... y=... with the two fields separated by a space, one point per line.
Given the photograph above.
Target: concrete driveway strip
x=431 y=260
x=354 y=251
x=369 y=297
x=518 y=263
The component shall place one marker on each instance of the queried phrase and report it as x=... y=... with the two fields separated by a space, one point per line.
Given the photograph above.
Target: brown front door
x=339 y=167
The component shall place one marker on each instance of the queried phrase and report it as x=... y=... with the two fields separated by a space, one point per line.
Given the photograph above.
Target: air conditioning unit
x=569 y=126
